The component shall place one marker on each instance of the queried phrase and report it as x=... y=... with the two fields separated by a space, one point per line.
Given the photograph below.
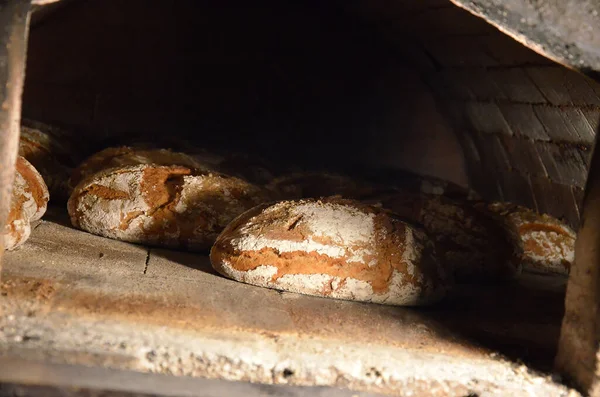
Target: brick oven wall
x=526 y=124
x=411 y=84
x=299 y=81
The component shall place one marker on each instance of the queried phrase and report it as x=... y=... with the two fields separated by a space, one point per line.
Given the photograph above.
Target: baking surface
x=73 y=298
x=76 y=381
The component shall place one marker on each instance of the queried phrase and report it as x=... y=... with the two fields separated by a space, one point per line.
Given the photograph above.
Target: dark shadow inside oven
x=301 y=83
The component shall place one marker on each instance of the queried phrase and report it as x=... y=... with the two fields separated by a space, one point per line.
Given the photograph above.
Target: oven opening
x=430 y=118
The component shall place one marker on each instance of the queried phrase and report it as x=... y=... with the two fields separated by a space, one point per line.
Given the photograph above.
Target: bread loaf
x=28 y=203
x=301 y=185
x=473 y=243
x=172 y=206
x=114 y=157
x=548 y=243
x=333 y=248
x=244 y=167
x=50 y=154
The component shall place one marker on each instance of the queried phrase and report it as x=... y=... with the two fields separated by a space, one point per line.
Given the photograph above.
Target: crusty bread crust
x=173 y=206
x=29 y=202
x=50 y=158
x=473 y=243
x=548 y=243
x=121 y=156
x=242 y=166
x=333 y=248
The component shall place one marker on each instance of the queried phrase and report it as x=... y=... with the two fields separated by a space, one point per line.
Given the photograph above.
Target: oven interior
x=338 y=86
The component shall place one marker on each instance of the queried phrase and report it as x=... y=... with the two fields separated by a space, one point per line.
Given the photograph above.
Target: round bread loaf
x=126 y=156
x=244 y=167
x=172 y=206
x=333 y=248
x=548 y=243
x=301 y=185
x=49 y=154
x=474 y=244
x=29 y=202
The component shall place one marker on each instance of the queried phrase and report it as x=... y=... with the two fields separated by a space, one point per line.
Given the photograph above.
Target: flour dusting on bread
x=334 y=248
x=171 y=206
x=350 y=229
x=548 y=243
x=29 y=201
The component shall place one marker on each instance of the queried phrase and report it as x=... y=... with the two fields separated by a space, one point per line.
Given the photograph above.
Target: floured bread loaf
x=171 y=206
x=333 y=248
x=473 y=243
x=301 y=185
x=126 y=156
x=241 y=166
x=29 y=202
x=49 y=152
x=548 y=244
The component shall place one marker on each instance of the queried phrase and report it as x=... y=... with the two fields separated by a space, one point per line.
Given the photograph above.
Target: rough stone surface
x=486 y=117
x=166 y=312
x=517 y=85
x=130 y=384
x=523 y=121
x=57 y=240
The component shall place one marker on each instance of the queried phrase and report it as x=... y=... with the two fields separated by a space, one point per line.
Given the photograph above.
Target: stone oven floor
x=73 y=299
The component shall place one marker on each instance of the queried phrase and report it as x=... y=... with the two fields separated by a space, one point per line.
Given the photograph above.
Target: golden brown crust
x=330 y=247
x=171 y=206
x=50 y=158
x=241 y=166
x=35 y=185
x=114 y=157
x=548 y=243
x=299 y=262
x=28 y=203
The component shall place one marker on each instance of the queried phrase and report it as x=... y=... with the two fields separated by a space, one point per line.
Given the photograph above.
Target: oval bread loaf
x=127 y=156
x=548 y=243
x=333 y=248
x=50 y=156
x=242 y=166
x=474 y=244
x=170 y=206
x=28 y=203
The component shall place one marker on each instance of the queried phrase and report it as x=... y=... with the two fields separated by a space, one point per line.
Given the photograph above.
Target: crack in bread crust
x=28 y=203
x=170 y=206
x=51 y=158
x=341 y=248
